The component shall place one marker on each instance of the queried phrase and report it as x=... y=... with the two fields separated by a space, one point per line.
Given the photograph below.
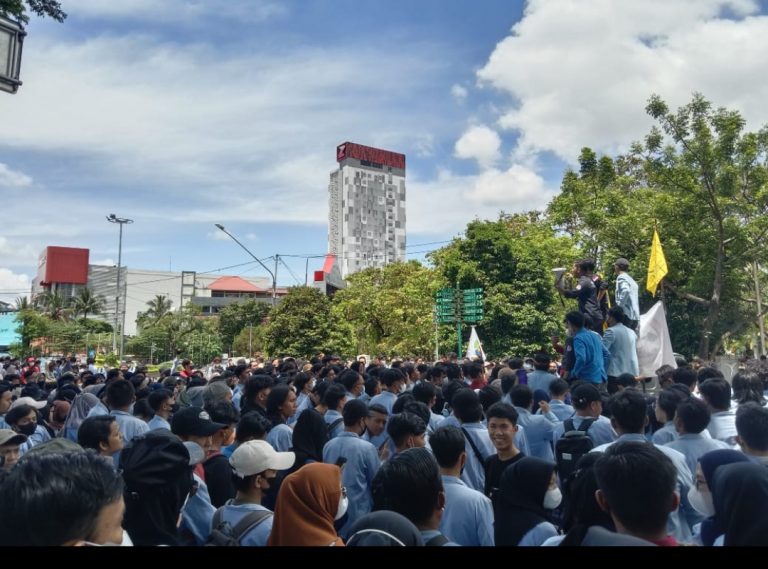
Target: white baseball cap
x=29 y=401
x=253 y=457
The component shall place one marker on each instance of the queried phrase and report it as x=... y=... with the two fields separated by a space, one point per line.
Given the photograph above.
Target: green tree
x=389 y=309
x=53 y=305
x=248 y=341
x=42 y=8
x=157 y=309
x=22 y=303
x=85 y=303
x=235 y=318
x=301 y=326
x=31 y=325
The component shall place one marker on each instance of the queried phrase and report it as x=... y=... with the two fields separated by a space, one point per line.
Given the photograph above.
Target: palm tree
x=86 y=303
x=22 y=303
x=158 y=307
x=53 y=305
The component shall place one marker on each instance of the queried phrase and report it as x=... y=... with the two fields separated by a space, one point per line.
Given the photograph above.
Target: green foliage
x=85 y=303
x=389 y=309
x=301 y=325
x=235 y=318
x=249 y=341
x=17 y=9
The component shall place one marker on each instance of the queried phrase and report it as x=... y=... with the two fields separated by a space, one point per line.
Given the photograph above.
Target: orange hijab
x=306 y=505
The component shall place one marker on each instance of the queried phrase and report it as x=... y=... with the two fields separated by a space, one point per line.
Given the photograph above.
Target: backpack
x=223 y=534
x=332 y=426
x=574 y=444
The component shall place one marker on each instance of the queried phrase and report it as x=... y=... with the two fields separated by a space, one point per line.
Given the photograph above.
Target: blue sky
x=185 y=113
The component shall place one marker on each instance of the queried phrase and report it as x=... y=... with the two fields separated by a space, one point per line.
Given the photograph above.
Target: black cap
x=585 y=393
x=194 y=421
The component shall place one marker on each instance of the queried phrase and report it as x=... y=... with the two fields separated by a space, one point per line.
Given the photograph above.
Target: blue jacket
x=591 y=357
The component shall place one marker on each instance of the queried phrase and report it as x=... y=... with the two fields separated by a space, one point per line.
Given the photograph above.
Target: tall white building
x=366 y=220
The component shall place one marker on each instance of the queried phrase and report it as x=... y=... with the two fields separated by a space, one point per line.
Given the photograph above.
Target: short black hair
x=377 y=408
x=489 y=396
x=56 y=498
x=112 y=374
x=709 y=372
x=575 y=319
x=629 y=410
x=277 y=397
x=402 y=400
x=502 y=411
x=466 y=406
x=587 y=265
x=409 y=484
x=300 y=380
x=617 y=313
x=475 y=370
x=748 y=386
x=223 y=412
x=353 y=411
x=451 y=389
x=752 y=426
x=333 y=395
x=17 y=413
x=452 y=370
x=158 y=397
x=694 y=415
x=447 y=444
x=420 y=409
x=348 y=378
x=404 y=425
x=424 y=391
x=95 y=430
x=638 y=481
x=685 y=375
x=390 y=376
x=668 y=401
x=252 y=425
x=717 y=392
x=558 y=387
x=120 y=393
x=370 y=385
x=521 y=396
x=579 y=504
x=142 y=409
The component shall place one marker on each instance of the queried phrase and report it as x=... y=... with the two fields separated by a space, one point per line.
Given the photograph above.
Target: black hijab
x=309 y=436
x=740 y=495
x=521 y=499
x=384 y=529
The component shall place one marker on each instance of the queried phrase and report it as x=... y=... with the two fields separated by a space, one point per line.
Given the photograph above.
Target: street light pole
x=112 y=218
x=271 y=274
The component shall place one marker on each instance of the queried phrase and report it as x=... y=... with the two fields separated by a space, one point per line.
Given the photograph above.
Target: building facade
x=366 y=219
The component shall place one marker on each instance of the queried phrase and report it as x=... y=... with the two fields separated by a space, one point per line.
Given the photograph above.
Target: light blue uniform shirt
x=561 y=410
x=666 y=434
x=539 y=430
x=358 y=472
x=98 y=409
x=303 y=402
x=197 y=515
x=3 y=424
x=40 y=435
x=237 y=395
x=591 y=357
x=537 y=535
x=386 y=400
x=722 y=426
x=540 y=380
x=426 y=535
x=694 y=447
x=435 y=421
x=281 y=438
x=331 y=417
x=685 y=517
x=626 y=296
x=157 y=422
x=621 y=343
x=468 y=516
x=600 y=431
x=474 y=471
x=130 y=427
x=365 y=398
x=256 y=537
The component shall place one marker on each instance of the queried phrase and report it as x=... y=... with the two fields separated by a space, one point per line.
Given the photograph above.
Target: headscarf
x=306 y=507
x=59 y=412
x=384 y=529
x=521 y=499
x=740 y=495
x=711 y=528
x=79 y=410
x=309 y=436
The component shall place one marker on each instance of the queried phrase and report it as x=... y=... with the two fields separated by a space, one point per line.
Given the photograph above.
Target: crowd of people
x=524 y=452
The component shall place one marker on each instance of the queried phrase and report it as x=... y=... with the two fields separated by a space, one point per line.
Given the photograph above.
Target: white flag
x=654 y=347
x=475 y=348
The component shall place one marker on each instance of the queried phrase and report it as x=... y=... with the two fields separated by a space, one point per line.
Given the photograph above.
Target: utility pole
x=112 y=218
x=274 y=282
x=271 y=274
x=760 y=317
x=250 y=340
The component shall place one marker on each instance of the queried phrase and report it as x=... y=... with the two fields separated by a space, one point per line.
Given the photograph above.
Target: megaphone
x=559 y=272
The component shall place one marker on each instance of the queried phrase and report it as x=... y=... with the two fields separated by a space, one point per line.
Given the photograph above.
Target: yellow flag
x=657 y=266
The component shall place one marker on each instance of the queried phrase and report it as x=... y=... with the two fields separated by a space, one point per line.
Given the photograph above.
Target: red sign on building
x=370 y=154
x=65 y=265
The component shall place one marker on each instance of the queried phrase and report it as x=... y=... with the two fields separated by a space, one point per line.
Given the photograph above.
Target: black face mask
x=28 y=429
x=175 y=408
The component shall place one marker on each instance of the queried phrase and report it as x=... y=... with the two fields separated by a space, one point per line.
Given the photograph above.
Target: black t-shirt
x=494 y=467
x=218 y=478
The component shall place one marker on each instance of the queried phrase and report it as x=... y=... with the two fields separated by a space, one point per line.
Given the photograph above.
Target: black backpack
x=574 y=444
x=224 y=534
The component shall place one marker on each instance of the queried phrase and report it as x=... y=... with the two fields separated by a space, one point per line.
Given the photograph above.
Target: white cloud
x=479 y=143
x=580 y=74
x=218 y=235
x=458 y=92
x=18 y=253
x=13 y=285
x=13 y=179
x=515 y=189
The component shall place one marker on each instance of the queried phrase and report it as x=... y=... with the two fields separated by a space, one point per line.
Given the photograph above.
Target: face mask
x=701 y=502
x=28 y=429
x=343 y=505
x=125 y=543
x=175 y=408
x=552 y=499
x=402 y=388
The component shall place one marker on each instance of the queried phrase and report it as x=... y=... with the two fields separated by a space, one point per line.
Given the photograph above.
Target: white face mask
x=125 y=543
x=343 y=505
x=402 y=388
x=552 y=499
x=701 y=502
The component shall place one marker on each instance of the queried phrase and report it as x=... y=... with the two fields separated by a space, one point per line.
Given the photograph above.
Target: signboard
x=370 y=154
x=8 y=334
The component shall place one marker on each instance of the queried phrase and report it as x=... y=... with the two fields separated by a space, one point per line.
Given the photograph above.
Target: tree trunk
x=714 y=304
